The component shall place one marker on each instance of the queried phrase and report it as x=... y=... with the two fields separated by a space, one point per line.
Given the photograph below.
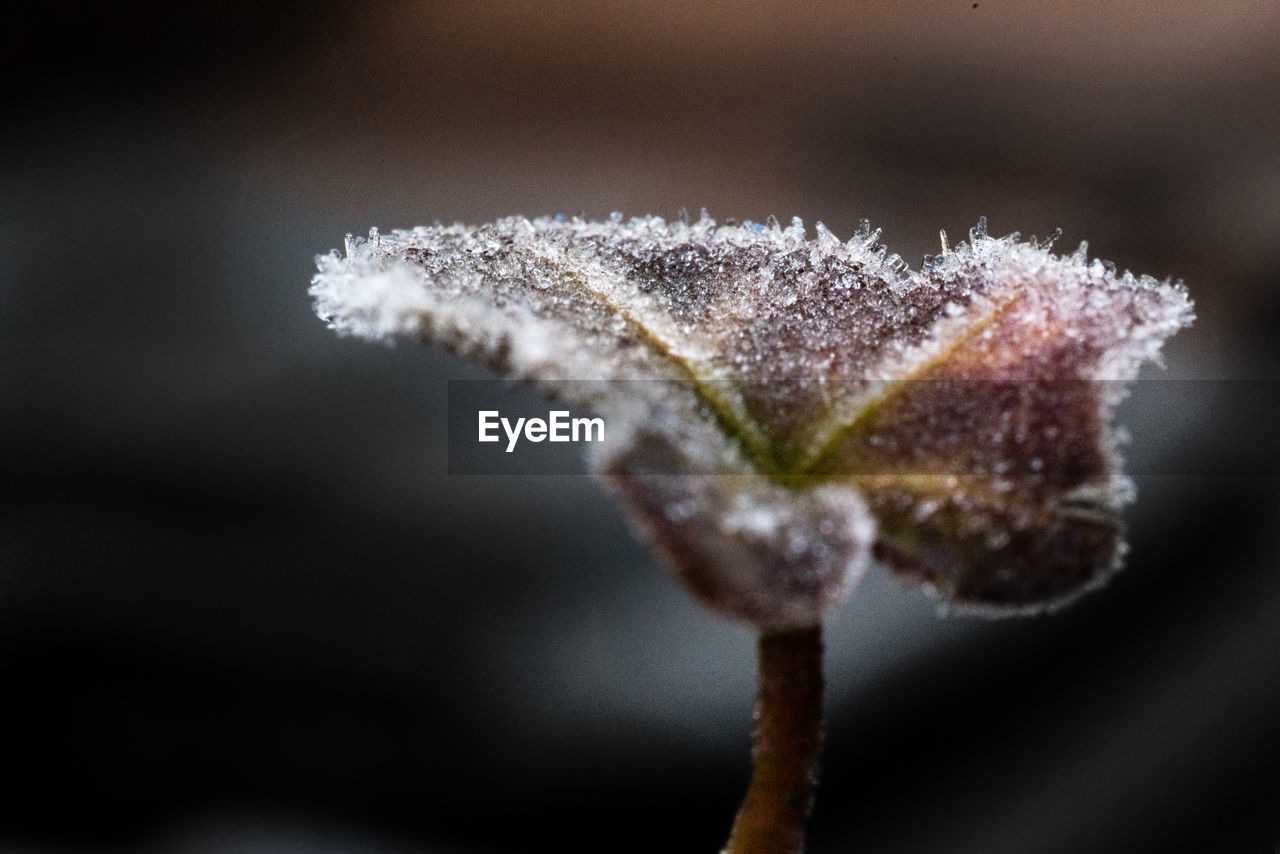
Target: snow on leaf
x=788 y=402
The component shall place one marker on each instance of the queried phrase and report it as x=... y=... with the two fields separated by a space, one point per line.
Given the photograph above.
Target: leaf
x=782 y=404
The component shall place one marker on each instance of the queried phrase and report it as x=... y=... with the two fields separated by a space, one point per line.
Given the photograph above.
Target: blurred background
x=244 y=609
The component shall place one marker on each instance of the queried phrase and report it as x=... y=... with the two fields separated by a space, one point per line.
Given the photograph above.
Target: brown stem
x=788 y=740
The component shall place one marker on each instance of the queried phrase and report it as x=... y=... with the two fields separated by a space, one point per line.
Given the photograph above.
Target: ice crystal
x=780 y=405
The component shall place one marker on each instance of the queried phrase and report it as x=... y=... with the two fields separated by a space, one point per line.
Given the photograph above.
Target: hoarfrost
x=804 y=399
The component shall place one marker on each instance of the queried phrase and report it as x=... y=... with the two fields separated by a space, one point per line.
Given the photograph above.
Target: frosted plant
x=784 y=408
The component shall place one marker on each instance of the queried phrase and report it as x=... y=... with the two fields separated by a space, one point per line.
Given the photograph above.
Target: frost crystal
x=779 y=405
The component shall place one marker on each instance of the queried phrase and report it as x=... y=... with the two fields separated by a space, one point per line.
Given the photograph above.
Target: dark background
x=244 y=609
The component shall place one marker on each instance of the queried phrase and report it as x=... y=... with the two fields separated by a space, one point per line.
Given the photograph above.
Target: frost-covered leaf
x=786 y=402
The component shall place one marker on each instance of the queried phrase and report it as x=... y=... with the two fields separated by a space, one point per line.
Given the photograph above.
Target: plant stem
x=788 y=740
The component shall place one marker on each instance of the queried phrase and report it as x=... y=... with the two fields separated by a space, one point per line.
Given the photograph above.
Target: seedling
x=783 y=410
